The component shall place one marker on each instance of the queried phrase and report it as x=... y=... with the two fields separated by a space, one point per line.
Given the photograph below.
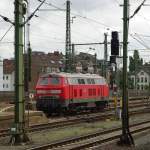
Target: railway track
x=72 y=121
x=78 y=119
x=93 y=139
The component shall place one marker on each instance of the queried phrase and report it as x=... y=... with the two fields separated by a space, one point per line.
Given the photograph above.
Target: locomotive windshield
x=49 y=81
x=54 y=80
x=43 y=81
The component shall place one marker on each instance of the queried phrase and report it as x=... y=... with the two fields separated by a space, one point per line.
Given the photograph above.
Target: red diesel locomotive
x=57 y=92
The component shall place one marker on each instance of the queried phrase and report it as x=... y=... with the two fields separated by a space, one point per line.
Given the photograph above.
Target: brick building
x=45 y=63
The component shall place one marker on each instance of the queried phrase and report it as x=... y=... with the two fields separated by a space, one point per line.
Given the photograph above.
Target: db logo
x=31 y=95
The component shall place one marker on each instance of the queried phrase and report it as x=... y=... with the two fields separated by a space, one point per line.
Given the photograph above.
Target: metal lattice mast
x=68 y=39
x=105 y=54
x=126 y=137
x=18 y=130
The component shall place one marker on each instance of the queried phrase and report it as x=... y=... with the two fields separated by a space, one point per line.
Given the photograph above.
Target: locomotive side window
x=72 y=81
x=89 y=81
x=92 y=81
x=81 y=81
x=43 y=81
x=55 y=80
x=97 y=81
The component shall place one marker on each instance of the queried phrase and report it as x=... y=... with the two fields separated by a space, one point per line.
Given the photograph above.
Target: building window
x=6 y=85
x=138 y=87
x=3 y=77
x=142 y=73
x=141 y=79
x=142 y=87
x=138 y=80
x=6 y=77
x=145 y=79
x=3 y=85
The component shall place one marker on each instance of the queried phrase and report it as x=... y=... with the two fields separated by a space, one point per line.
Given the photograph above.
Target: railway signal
x=114 y=43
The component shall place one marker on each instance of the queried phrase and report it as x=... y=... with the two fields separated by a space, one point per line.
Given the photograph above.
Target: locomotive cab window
x=55 y=81
x=43 y=81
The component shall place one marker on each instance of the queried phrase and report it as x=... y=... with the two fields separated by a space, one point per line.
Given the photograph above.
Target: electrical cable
x=50 y=4
x=30 y=17
x=73 y=31
x=6 y=33
x=6 y=19
x=139 y=41
x=116 y=2
x=78 y=15
x=143 y=35
x=137 y=10
x=6 y=42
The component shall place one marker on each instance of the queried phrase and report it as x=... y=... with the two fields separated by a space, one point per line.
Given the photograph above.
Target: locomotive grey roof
x=73 y=75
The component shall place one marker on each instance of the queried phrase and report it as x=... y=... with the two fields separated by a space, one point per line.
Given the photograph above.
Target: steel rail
x=90 y=136
x=69 y=122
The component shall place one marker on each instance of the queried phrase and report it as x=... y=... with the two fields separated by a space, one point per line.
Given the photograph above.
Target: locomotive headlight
x=41 y=92
x=55 y=91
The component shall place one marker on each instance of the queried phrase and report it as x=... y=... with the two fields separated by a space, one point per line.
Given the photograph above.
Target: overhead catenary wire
x=137 y=10
x=6 y=19
x=78 y=15
x=117 y=2
x=30 y=17
x=139 y=41
x=54 y=6
x=7 y=42
x=74 y=32
x=6 y=33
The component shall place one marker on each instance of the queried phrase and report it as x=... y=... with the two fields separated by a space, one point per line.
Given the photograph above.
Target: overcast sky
x=93 y=18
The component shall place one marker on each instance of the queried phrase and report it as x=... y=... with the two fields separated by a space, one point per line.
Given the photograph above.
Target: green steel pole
x=105 y=54
x=18 y=130
x=68 y=38
x=73 y=58
x=126 y=138
x=95 y=63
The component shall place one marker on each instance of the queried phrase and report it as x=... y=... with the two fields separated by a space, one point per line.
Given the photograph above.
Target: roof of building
x=8 y=66
x=142 y=68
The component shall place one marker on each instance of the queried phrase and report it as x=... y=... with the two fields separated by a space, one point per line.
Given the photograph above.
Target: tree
x=135 y=61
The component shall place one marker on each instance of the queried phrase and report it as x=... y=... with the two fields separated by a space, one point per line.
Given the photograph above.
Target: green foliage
x=146 y=87
x=130 y=83
x=135 y=61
